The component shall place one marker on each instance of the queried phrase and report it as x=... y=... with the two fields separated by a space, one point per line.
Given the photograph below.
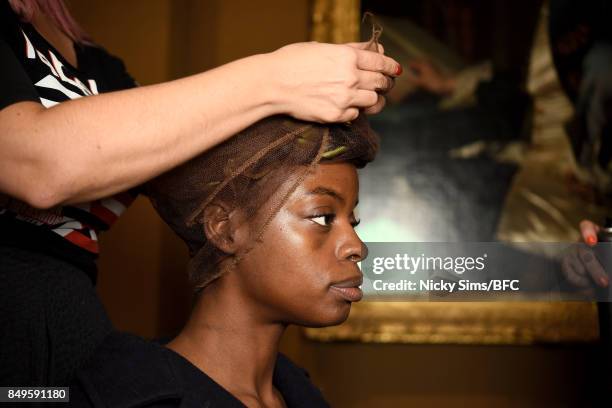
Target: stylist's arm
x=93 y=147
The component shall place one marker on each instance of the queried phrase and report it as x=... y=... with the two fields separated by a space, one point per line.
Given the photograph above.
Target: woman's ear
x=220 y=227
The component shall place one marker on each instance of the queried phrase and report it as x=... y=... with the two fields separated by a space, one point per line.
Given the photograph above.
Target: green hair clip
x=333 y=153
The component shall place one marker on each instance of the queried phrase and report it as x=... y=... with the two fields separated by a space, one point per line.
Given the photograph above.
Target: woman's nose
x=351 y=248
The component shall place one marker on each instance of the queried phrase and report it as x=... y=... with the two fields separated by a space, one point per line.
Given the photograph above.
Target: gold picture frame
x=465 y=323
x=445 y=322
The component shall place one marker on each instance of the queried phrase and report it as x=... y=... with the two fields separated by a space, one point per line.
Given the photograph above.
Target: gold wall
x=142 y=281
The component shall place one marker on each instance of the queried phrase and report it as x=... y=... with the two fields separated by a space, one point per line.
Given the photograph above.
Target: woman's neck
x=227 y=339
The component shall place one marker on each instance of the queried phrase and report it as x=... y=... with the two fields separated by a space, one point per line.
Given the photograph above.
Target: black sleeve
x=108 y=69
x=15 y=85
x=122 y=79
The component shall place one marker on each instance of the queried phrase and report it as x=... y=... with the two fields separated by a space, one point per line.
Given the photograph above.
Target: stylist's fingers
x=374 y=81
x=376 y=108
x=373 y=61
x=364 y=99
x=574 y=272
x=588 y=231
x=348 y=115
x=321 y=82
x=593 y=267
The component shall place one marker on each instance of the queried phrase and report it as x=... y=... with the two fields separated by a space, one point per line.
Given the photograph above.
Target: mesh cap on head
x=247 y=172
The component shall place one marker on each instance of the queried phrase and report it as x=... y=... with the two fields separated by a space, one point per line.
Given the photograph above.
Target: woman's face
x=305 y=269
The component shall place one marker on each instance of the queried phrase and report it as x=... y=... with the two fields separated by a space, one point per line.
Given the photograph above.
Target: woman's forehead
x=336 y=180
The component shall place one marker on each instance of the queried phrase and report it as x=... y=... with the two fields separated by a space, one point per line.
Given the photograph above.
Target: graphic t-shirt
x=33 y=70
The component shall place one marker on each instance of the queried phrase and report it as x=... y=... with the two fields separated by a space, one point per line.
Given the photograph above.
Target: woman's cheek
x=296 y=232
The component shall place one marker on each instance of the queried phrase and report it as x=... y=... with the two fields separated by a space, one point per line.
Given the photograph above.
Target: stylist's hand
x=580 y=265
x=331 y=82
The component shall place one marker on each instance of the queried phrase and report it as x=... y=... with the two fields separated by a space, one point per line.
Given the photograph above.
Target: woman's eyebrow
x=329 y=192
x=332 y=193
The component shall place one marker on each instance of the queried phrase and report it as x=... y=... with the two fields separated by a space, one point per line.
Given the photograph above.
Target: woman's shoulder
x=126 y=371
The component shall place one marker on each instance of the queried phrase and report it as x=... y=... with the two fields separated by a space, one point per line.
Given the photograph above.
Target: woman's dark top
x=127 y=371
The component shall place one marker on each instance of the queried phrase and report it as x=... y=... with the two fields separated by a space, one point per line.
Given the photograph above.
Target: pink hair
x=57 y=11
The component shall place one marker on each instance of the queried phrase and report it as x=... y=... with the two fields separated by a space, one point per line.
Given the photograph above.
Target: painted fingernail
x=398 y=70
x=604 y=282
x=591 y=240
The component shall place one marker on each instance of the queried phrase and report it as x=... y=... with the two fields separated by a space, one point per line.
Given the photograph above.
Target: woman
x=271 y=233
x=66 y=161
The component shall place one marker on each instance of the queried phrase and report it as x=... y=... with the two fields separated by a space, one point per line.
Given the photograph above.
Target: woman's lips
x=349 y=294
x=349 y=289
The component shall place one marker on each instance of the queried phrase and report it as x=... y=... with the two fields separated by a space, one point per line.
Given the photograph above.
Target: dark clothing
x=50 y=316
x=127 y=371
x=50 y=319
x=16 y=234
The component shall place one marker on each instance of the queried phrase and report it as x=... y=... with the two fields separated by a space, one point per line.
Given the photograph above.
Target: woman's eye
x=323 y=220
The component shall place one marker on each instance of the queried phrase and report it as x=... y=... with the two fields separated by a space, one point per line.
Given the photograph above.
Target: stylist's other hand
x=331 y=82
x=580 y=265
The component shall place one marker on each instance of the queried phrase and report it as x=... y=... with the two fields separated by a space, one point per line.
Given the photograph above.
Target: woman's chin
x=331 y=318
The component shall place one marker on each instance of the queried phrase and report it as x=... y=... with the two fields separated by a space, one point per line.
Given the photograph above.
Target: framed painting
x=417 y=202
